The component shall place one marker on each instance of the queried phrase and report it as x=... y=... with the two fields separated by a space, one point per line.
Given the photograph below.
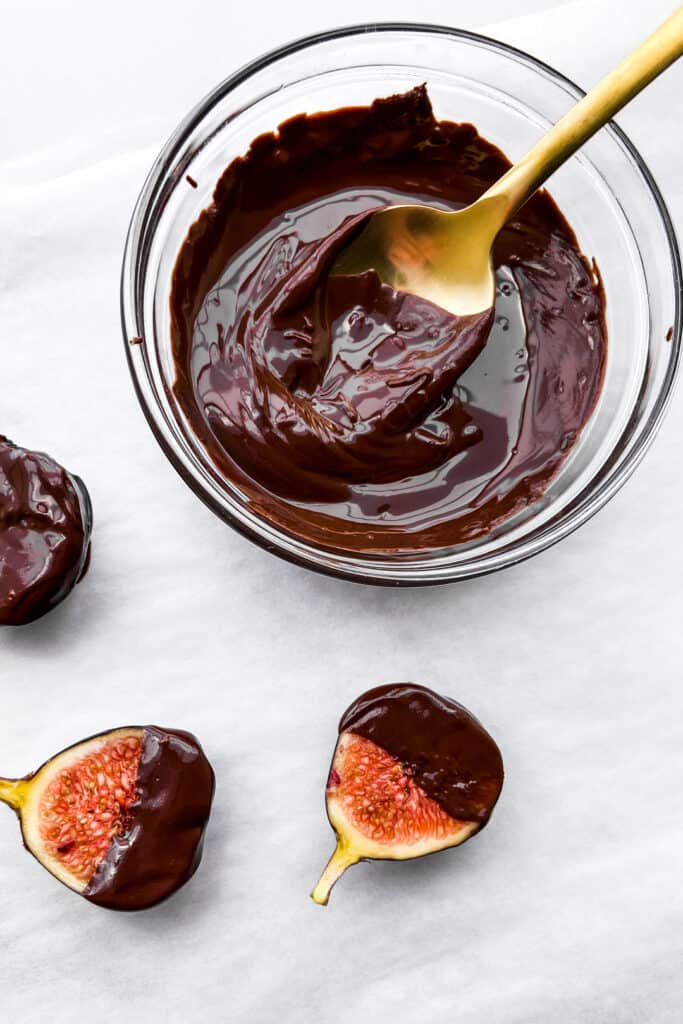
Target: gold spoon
x=446 y=257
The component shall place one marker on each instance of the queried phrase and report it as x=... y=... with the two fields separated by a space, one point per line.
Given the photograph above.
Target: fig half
x=412 y=773
x=120 y=817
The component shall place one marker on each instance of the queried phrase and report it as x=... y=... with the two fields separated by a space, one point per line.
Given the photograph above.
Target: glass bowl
x=606 y=192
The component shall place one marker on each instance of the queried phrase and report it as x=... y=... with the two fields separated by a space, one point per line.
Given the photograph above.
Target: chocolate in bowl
x=354 y=415
x=610 y=199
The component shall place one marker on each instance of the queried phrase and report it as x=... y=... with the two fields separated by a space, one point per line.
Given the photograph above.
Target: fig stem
x=342 y=858
x=12 y=792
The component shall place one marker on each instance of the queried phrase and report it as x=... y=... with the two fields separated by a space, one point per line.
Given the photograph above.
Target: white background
x=569 y=907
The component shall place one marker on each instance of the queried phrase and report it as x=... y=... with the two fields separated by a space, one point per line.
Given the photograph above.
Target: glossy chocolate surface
x=353 y=416
x=447 y=751
x=45 y=528
x=161 y=845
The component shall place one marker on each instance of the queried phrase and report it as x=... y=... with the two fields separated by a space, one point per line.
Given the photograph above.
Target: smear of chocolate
x=45 y=529
x=446 y=750
x=161 y=846
x=354 y=416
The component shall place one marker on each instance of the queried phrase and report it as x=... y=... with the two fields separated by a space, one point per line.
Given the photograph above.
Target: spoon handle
x=636 y=71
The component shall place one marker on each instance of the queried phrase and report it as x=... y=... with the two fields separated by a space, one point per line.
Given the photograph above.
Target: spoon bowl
x=442 y=257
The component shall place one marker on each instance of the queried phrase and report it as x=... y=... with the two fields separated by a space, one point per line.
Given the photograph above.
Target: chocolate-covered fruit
x=119 y=817
x=45 y=529
x=412 y=773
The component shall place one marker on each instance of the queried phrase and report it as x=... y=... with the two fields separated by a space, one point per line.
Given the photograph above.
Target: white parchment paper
x=569 y=907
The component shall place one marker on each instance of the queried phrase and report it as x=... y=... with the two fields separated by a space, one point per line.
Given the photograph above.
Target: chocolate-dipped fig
x=412 y=773
x=45 y=528
x=119 y=817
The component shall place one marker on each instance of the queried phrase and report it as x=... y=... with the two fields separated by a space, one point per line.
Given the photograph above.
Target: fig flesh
x=412 y=773
x=45 y=529
x=120 y=817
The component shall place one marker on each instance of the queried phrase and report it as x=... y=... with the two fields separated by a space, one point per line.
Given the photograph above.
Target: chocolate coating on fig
x=447 y=751
x=45 y=529
x=161 y=845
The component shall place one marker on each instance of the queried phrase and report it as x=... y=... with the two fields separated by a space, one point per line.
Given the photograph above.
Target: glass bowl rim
x=520 y=550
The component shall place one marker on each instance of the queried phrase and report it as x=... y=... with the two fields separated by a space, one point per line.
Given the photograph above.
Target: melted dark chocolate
x=45 y=529
x=354 y=416
x=448 y=752
x=161 y=847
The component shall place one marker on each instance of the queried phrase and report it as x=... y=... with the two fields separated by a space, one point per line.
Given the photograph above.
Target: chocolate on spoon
x=120 y=817
x=45 y=529
x=412 y=773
